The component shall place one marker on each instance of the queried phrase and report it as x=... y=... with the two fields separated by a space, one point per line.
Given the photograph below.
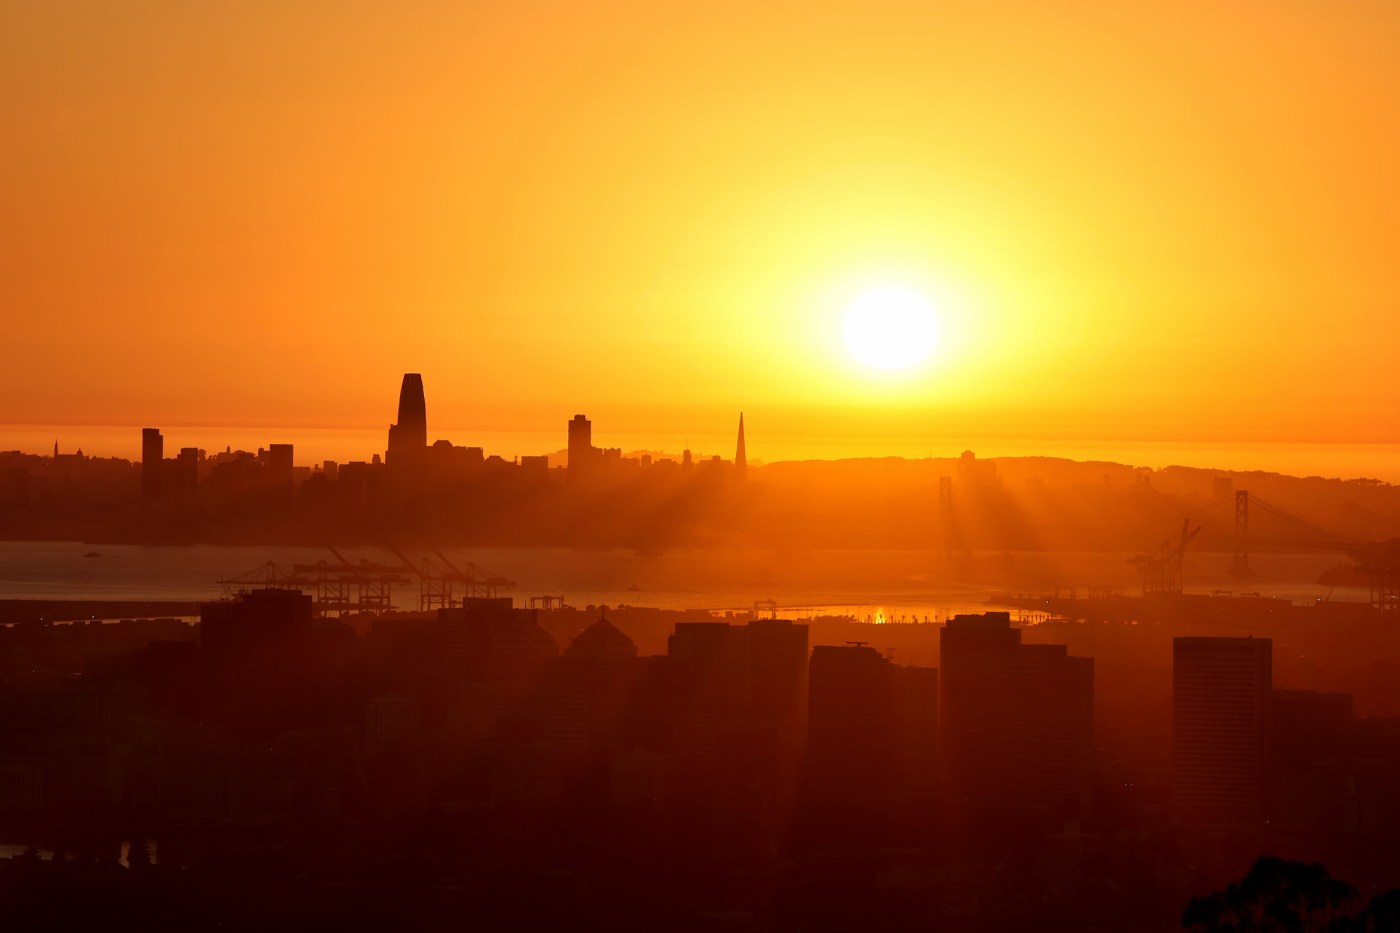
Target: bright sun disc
x=890 y=328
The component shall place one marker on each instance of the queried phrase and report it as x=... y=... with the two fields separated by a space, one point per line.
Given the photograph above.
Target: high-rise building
x=1017 y=720
x=280 y=473
x=737 y=688
x=741 y=459
x=1221 y=693
x=186 y=470
x=852 y=724
x=152 y=462
x=586 y=693
x=408 y=437
x=257 y=650
x=279 y=462
x=582 y=453
x=487 y=640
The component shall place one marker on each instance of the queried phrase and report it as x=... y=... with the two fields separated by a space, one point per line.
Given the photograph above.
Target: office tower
x=487 y=657
x=152 y=457
x=918 y=745
x=853 y=736
x=740 y=695
x=740 y=455
x=186 y=470
x=777 y=677
x=1016 y=720
x=279 y=464
x=1220 y=726
x=408 y=438
x=586 y=694
x=582 y=453
x=257 y=648
x=490 y=641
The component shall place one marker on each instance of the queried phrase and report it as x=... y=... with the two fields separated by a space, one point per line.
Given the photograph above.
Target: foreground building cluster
x=737 y=750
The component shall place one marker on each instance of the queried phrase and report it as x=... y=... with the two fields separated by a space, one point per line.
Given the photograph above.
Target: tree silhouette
x=1382 y=915
x=1276 y=896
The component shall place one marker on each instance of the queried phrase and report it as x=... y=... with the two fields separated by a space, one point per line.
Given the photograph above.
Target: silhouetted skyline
x=698 y=467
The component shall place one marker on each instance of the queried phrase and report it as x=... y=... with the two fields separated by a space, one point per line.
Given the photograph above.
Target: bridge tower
x=1239 y=564
x=945 y=514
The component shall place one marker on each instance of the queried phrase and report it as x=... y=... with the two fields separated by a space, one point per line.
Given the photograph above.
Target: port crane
x=1161 y=568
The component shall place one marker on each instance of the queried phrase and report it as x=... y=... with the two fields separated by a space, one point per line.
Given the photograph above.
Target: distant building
x=408 y=437
x=152 y=462
x=279 y=466
x=582 y=453
x=1016 y=720
x=741 y=459
x=186 y=472
x=1221 y=695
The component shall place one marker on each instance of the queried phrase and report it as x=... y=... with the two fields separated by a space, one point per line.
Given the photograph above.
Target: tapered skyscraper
x=741 y=465
x=410 y=434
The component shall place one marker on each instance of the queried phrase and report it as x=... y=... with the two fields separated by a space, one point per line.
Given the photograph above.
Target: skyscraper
x=409 y=436
x=1017 y=720
x=737 y=687
x=258 y=649
x=1220 y=726
x=279 y=462
x=152 y=457
x=853 y=723
x=586 y=693
x=740 y=454
x=582 y=453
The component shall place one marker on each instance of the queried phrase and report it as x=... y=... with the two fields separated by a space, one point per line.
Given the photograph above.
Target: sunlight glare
x=890 y=328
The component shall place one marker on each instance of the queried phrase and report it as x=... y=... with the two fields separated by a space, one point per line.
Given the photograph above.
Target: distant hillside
x=1038 y=502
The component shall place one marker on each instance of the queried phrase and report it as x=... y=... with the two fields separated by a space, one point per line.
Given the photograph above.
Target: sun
x=890 y=328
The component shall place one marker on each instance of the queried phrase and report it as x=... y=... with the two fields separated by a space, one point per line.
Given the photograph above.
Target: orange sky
x=1140 y=222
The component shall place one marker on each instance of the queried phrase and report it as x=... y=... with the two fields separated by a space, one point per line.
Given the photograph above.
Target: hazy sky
x=1137 y=221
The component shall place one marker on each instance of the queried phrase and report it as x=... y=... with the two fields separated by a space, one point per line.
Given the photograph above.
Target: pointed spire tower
x=741 y=459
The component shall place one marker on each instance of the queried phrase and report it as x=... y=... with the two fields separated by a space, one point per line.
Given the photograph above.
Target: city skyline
x=750 y=466
x=713 y=433
x=1112 y=243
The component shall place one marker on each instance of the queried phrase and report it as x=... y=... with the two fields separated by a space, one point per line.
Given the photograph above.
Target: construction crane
x=1161 y=569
